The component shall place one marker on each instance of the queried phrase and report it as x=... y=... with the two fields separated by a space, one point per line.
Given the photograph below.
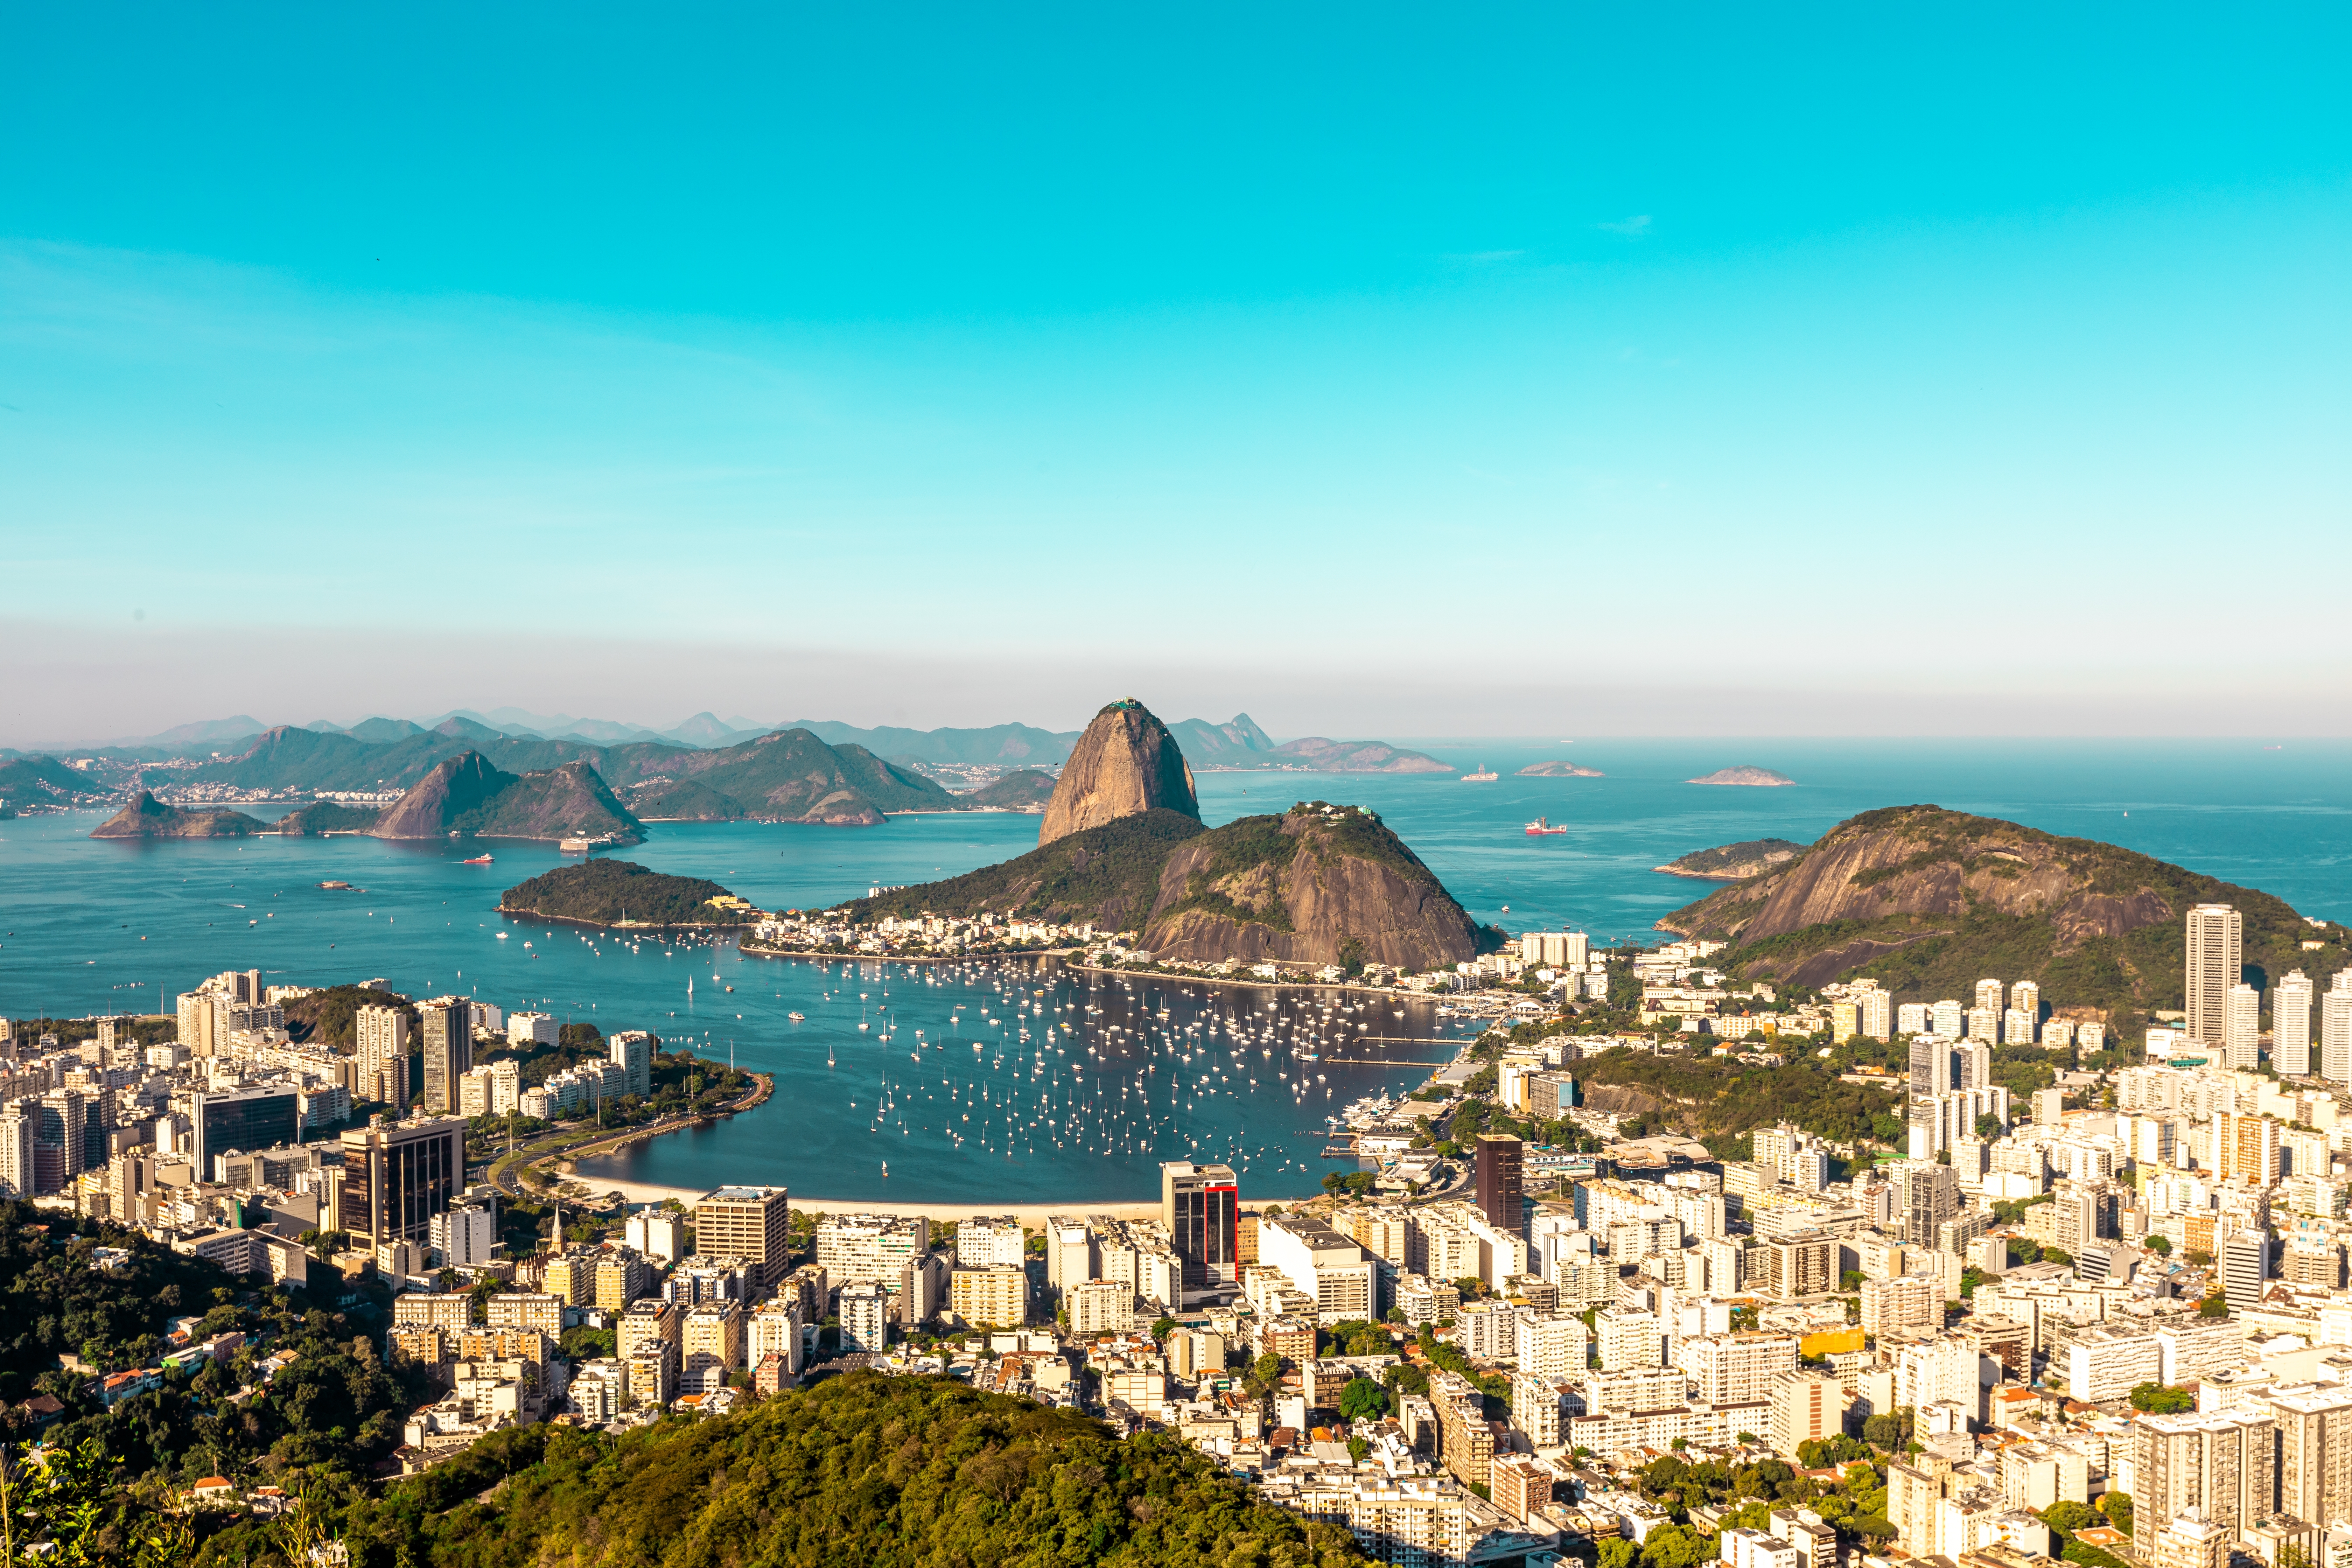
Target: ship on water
x=1541 y=827
x=1483 y=776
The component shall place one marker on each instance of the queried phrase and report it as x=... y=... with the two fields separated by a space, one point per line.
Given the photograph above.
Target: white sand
x=1031 y=1214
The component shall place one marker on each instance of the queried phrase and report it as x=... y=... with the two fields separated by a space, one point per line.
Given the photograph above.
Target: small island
x=623 y=893
x=1733 y=862
x=1759 y=778
x=1027 y=790
x=147 y=817
x=1558 y=770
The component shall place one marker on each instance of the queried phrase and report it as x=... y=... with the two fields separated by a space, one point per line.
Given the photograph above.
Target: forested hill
x=1929 y=901
x=861 y=1470
x=604 y=892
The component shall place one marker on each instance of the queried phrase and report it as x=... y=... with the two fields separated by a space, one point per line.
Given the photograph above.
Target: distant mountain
x=1213 y=745
x=1733 y=862
x=1019 y=743
x=204 y=731
x=1323 y=756
x=147 y=817
x=380 y=731
x=707 y=729
x=466 y=796
x=38 y=780
x=1027 y=790
x=788 y=777
x=1558 y=770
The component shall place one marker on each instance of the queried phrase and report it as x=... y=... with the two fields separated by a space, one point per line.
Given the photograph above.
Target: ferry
x=477 y=860
x=797 y=1018
x=1483 y=776
x=1541 y=827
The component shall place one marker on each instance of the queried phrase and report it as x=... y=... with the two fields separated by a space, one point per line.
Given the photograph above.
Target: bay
x=93 y=926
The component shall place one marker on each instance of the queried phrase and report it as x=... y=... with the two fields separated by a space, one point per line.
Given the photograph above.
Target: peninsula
x=147 y=817
x=607 y=892
x=1733 y=862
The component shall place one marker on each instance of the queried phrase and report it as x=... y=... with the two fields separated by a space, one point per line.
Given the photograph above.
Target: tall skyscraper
x=1201 y=1206
x=2336 y=1030
x=2244 y=1261
x=633 y=1051
x=1498 y=1184
x=381 y=1067
x=396 y=1177
x=2242 y=1026
x=448 y=1040
x=18 y=1124
x=1972 y=1066
x=2216 y=957
x=2290 y=1025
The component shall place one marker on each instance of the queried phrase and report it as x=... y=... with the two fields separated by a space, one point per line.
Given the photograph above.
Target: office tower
x=1950 y=1019
x=2244 y=1264
x=1498 y=1184
x=1989 y=995
x=241 y=1121
x=1201 y=1206
x=754 y=1224
x=2025 y=997
x=2336 y=1029
x=2216 y=957
x=2241 y=1027
x=448 y=1042
x=396 y=1177
x=633 y=1051
x=1877 y=1015
x=2291 y=1025
x=381 y=1068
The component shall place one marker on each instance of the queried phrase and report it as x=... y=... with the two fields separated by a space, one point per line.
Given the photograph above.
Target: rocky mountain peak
x=1125 y=764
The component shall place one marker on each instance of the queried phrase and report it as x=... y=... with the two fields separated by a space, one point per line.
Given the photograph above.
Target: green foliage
x=2069 y=1516
x=1361 y=1399
x=861 y=1469
x=2156 y=1399
x=75 y=1509
x=2214 y=1306
x=59 y=1301
x=1109 y=873
x=584 y=1343
x=1821 y=1452
x=2058 y=1255
x=332 y=1016
x=2160 y=1244
x=1889 y=1429
x=1618 y=1554
x=2117 y=1506
x=601 y=891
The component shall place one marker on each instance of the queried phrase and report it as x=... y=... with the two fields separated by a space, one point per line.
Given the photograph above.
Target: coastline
x=1031 y=1214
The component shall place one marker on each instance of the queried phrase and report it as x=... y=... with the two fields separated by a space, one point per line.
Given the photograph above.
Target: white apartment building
x=1551 y=1348
x=533 y=1029
x=1628 y=1338
x=865 y=1312
x=986 y=1241
x=856 y=1247
x=1736 y=1369
x=1321 y=1263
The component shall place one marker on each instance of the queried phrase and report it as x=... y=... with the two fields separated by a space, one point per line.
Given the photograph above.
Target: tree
x=1163 y=1327
x=2214 y=1306
x=2070 y=1517
x=1669 y=1546
x=1618 y=1554
x=1267 y=1369
x=2156 y=1399
x=1359 y=1450
x=1989 y=1127
x=1361 y=1399
x=2057 y=1255
x=2160 y=1245
x=2117 y=1506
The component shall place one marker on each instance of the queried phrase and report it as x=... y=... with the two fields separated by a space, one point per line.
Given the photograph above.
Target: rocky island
x=469 y=796
x=1733 y=862
x=1558 y=770
x=605 y=892
x=1761 y=778
x=147 y=817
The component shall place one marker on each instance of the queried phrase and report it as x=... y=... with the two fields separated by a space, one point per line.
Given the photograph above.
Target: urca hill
x=1927 y=901
x=1124 y=848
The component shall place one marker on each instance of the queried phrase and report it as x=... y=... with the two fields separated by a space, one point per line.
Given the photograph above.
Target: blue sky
x=1830 y=371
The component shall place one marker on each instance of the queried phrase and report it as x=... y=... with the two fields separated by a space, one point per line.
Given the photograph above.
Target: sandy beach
x=1031 y=1214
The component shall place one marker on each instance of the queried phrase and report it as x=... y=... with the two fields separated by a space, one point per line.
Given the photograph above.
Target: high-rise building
x=18 y=1168
x=447 y=1034
x=2336 y=1029
x=1806 y=1407
x=2216 y=958
x=2220 y=1463
x=381 y=1068
x=1069 y=1252
x=754 y=1224
x=1499 y=1196
x=1972 y=1066
x=2025 y=997
x=2244 y=1261
x=241 y=1120
x=1949 y=1018
x=2246 y=1149
x=197 y=1022
x=1911 y=1018
x=1926 y=1196
x=2241 y=1027
x=633 y=1051
x=2314 y=1450
x=2291 y=1026
x=990 y=1241
x=396 y=1177
x=1200 y=1205
x=865 y=1317
x=1877 y=1013
x=1989 y=995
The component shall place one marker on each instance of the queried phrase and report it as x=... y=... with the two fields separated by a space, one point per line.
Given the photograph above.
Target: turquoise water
x=88 y=926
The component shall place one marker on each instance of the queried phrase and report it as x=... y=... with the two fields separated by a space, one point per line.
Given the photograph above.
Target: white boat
x=1483 y=776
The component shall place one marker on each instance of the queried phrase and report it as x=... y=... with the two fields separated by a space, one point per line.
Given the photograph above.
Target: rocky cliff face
x=1125 y=764
x=466 y=795
x=1318 y=885
x=148 y=818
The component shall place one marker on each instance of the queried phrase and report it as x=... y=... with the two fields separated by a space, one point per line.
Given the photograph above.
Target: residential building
x=864 y=1316
x=994 y=1297
x=2241 y=1027
x=462 y=1237
x=1551 y=1348
x=754 y=1224
x=2245 y=1263
x=380 y=1068
x=1908 y=1304
x=1322 y=1264
x=986 y=1241
x=658 y=1234
x=710 y=1344
x=632 y=1050
x=2216 y=952
x=2314 y=1423
x=2187 y=1539
x=1099 y=1307
x=775 y=1330
x=1805 y=1264
x=2220 y=1463
x=445 y=1033
x=1626 y=1338
x=2291 y=1026
x=852 y=1248
x=1736 y=1369
x=1806 y=1407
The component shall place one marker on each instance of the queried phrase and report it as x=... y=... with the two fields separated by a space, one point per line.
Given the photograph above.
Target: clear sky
x=1409 y=371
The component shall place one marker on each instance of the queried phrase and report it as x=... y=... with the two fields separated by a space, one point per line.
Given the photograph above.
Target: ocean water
x=90 y=926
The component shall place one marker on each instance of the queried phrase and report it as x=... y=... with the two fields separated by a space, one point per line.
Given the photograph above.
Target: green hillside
x=1109 y=874
x=890 y=786
x=604 y=892
x=863 y=1470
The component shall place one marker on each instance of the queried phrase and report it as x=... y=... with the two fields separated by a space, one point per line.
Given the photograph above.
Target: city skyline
x=1447 y=383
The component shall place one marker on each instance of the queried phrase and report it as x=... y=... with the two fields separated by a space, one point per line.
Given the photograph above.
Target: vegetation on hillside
x=329 y=816
x=602 y=891
x=1726 y=857
x=1027 y=790
x=862 y=1468
x=1109 y=874
x=331 y=1015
